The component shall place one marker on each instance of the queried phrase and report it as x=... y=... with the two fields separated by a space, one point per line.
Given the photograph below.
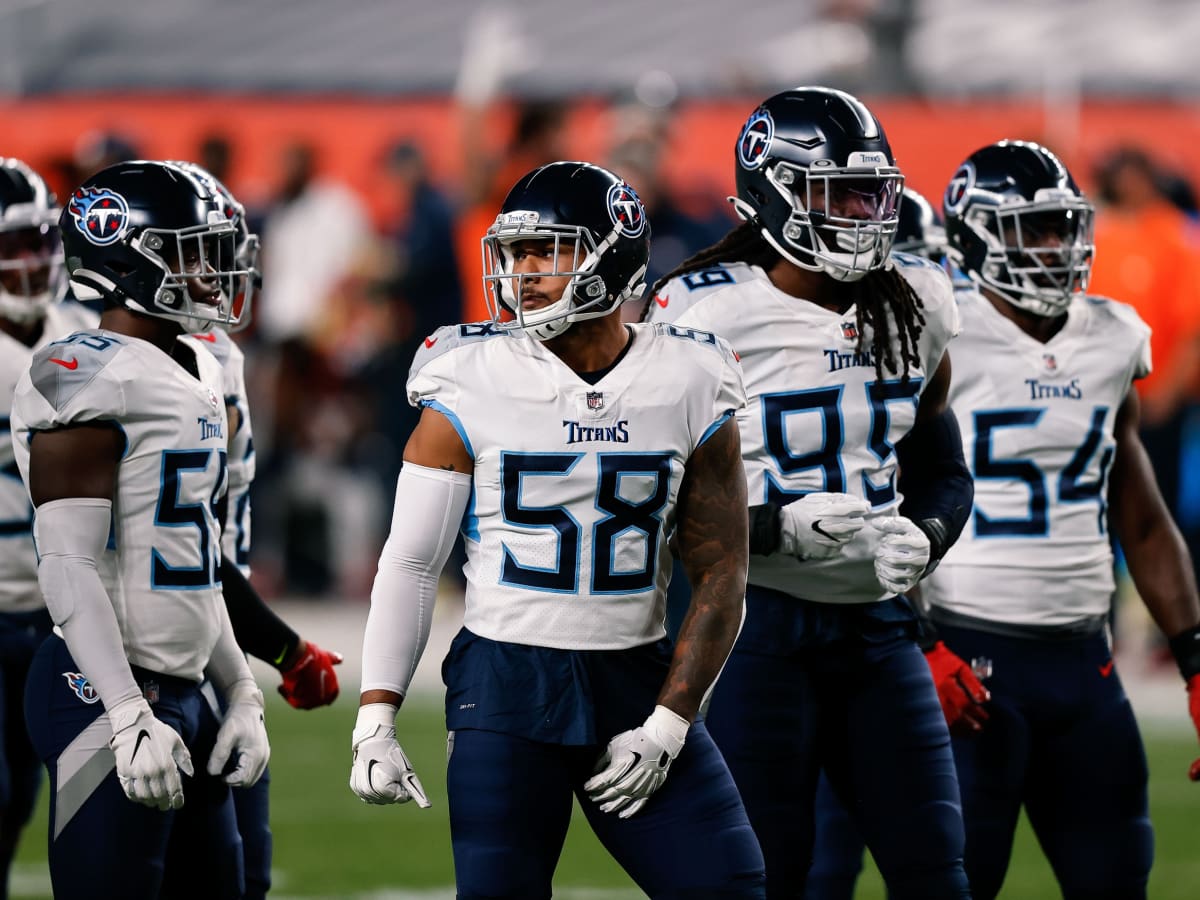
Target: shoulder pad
x=1120 y=312
x=696 y=336
x=217 y=342
x=913 y=261
x=450 y=337
x=63 y=368
x=684 y=291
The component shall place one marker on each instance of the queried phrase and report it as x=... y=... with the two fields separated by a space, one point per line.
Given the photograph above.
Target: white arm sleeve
x=227 y=666
x=71 y=535
x=429 y=508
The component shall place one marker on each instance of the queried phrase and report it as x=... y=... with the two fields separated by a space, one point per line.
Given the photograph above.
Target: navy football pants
x=837 y=849
x=844 y=687
x=103 y=846
x=510 y=804
x=1062 y=741
x=20 y=770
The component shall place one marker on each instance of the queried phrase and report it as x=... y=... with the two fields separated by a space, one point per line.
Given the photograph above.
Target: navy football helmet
x=920 y=231
x=594 y=218
x=1017 y=223
x=816 y=173
x=32 y=275
x=152 y=238
x=246 y=250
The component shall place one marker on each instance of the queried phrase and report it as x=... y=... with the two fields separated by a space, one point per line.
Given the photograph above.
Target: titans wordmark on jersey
x=19 y=590
x=235 y=536
x=575 y=484
x=1037 y=424
x=816 y=416
x=161 y=568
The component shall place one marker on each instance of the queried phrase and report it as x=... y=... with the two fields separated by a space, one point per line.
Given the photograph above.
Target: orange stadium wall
x=351 y=133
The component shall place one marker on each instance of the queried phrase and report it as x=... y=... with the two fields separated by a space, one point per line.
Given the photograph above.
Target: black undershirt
x=593 y=377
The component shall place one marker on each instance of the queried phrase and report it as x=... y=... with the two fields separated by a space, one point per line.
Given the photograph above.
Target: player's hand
x=381 y=773
x=902 y=554
x=243 y=732
x=817 y=526
x=150 y=755
x=310 y=680
x=635 y=763
x=961 y=694
x=1193 y=690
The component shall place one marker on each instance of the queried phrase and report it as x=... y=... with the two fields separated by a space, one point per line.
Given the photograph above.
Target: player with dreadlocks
x=856 y=475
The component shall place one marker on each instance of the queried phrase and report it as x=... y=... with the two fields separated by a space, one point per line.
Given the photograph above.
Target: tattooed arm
x=712 y=537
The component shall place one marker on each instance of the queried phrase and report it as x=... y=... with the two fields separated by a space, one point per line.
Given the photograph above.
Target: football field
x=329 y=844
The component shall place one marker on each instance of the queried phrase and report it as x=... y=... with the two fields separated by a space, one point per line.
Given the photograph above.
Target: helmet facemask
x=584 y=296
x=843 y=219
x=32 y=270
x=201 y=274
x=1039 y=252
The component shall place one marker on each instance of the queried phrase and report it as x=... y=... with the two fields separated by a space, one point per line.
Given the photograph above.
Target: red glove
x=309 y=680
x=1193 y=690
x=961 y=694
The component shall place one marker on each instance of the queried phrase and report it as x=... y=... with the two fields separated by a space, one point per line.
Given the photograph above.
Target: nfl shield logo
x=150 y=691
x=595 y=400
x=1050 y=361
x=850 y=331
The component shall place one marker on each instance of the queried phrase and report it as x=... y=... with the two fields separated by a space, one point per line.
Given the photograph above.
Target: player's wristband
x=764 y=529
x=1185 y=647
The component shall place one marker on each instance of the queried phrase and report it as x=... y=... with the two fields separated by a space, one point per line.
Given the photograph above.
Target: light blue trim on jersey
x=714 y=427
x=470 y=522
x=454 y=420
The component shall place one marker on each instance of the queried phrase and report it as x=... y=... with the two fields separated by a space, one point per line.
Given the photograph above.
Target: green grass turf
x=329 y=844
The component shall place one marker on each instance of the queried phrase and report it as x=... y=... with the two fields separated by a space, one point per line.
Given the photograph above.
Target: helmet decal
x=963 y=181
x=755 y=139
x=626 y=210
x=100 y=214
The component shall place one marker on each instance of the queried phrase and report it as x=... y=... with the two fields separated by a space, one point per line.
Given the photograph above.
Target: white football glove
x=635 y=763
x=149 y=755
x=902 y=555
x=381 y=773
x=243 y=731
x=817 y=526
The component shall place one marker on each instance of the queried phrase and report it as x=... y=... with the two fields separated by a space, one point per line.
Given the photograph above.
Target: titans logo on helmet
x=100 y=214
x=963 y=181
x=626 y=210
x=755 y=139
x=82 y=688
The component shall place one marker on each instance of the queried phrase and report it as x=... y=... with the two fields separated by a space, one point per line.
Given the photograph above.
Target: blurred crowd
x=347 y=297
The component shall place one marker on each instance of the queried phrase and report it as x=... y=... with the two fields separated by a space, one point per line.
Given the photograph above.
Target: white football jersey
x=161 y=568
x=816 y=417
x=575 y=484
x=19 y=590
x=235 y=535
x=1037 y=425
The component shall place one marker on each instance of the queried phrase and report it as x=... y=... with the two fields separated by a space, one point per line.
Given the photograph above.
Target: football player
x=1044 y=389
x=569 y=448
x=309 y=679
x=844 y=350
x=32 y=282
x=838 y=847
x=120 y=438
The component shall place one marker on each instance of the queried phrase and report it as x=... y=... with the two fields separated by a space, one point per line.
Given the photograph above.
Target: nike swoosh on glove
x=817 y=526
x=310 y=681
x=960 y=692
x=381 y=772
x=150 y=755
x=636 y=762
x=245 y=732
x=902 y=554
